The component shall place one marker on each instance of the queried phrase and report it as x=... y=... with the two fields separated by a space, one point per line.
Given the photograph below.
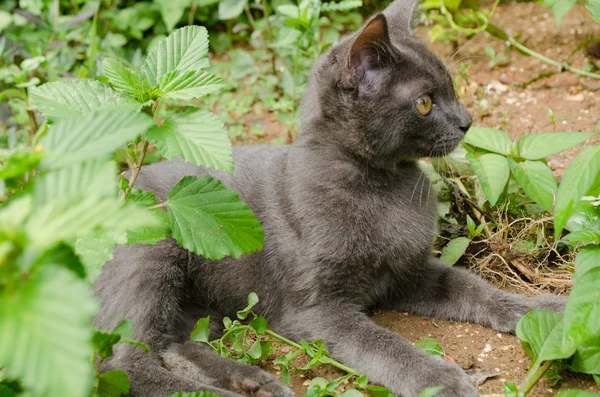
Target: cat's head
x=380 y=94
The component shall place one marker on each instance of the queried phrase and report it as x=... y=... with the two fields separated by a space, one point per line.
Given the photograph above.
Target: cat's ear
x=369 y=50
x=402 y=16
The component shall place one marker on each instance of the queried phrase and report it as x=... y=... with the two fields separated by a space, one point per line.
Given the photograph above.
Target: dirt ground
x=505 y=97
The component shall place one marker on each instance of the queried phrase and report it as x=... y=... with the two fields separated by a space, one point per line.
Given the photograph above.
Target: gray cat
x=349 y=224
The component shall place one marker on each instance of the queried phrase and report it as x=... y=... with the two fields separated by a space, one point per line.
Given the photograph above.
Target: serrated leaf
x=45 y=333
x=72 y=98
x=537 y=180
x=199 y=137
x=576 y=181
x=540 y=146
x=185 y=49
x=430 y=346
x=230 y=9
x=493 y=172
x=150 y=235
x=541 y=333
x=490 y=139
x=188 y=85
x=454 y=250
x=123 y=78
x=201 y=331
x=93 y=135
x=113 y=383
x=582 y=312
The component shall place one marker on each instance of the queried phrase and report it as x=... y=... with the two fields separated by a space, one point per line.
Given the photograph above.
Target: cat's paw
x=455 y=382
x=258 y=383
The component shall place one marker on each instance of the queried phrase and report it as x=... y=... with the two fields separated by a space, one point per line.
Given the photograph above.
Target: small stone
x=575 y=98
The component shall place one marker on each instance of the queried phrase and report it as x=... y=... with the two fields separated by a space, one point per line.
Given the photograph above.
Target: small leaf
x=252 y=301
x=430 y=346
x=230 y=9
x=185 y=49
x=123 y=78
x=537 y=181
x=201 y=331
x=255 y=351
x=379 y=391
x=113 y=383
x=172 y=11
x=493 y=172
x=540 y=146
x=212 y=221
x=490 y=139
x=103 y=343
x=431 y=391
x=559 y=8
x=124 y=328
x=352 y=393
x=576 y=181
x=259 y=324
x=199 y=137
x=454 y=250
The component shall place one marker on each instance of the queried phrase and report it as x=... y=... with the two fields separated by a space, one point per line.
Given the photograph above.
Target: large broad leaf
x=45 y=334
x=96 y=248
x=123 y=78
x=577 y=393
x=185 y=49
x=187 y=85
x=576 y=181
x=541 y=334
x=539 y=146
x=93 y=135
x=72 y=98
x=537 y=180
x=454 y=250
x=212 y=221
x=490 y=139
x=588 y=258
x=559 y=8
x=582 y=313
x=587 y=357
x=199 y=137
x=594 y=7
x=492 y=171
x=229 y=9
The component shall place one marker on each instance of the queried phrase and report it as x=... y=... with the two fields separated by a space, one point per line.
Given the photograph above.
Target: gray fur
x=349 y=220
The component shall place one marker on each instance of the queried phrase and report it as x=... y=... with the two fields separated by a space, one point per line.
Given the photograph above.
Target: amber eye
x=423 y=104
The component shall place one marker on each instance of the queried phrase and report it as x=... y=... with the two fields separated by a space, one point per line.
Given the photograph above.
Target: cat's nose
x=465 y=122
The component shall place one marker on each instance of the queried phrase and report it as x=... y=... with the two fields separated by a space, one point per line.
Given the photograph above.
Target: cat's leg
x=385 y=357
x=149 y=287
x=444 y=292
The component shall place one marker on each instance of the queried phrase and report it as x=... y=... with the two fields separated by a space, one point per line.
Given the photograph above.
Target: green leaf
x=259 y=324
x=6 y=391
x=123 y=78
x=103 y=343
x=201 y=331
x=172 y=11
x=185 y=49
x=587 y=357
x=540 y=146
x=230 y=9
x=187 y=85
x=93 y=135
x=537 y=181
x=255 y=351
x=72 y=98
x=431 y=391
x=576 y=181
x=379 y=391
x=594 y=7
x=577 y=393
x=430 y=346
x=588 y=258
x=559 y=8
x=199 y=137
x=137 y=343
x=490 y=139
x=252 y=301
x=454 y=250
x=124 y=328
x=212 y=221
x=96 y=249
x=541 y=334
x=45 y=333
x=492 y=171
x=113 y=383
x=150 y=235
x=584 y=236
x=582 y=313
x=352 y=393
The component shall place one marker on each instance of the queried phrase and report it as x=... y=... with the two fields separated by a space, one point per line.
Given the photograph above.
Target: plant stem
x=137 y=166
x=560 y=66
x=297 y=346
x=192 y=12
x=161 y=205
x=532 y=378
x=251 y=19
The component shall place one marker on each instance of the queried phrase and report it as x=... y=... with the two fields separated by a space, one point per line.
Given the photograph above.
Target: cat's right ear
x=402 y=16
x=368 y=52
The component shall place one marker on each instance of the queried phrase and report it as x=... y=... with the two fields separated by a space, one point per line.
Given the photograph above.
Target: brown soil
x=498 y=98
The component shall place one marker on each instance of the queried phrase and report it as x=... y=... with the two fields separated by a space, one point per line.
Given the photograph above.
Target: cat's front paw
x=455 y=382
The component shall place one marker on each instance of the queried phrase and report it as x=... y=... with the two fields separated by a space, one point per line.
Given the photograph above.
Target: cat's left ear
x=369 y=50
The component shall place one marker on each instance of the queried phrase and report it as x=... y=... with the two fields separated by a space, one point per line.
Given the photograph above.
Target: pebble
x=575 y=98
